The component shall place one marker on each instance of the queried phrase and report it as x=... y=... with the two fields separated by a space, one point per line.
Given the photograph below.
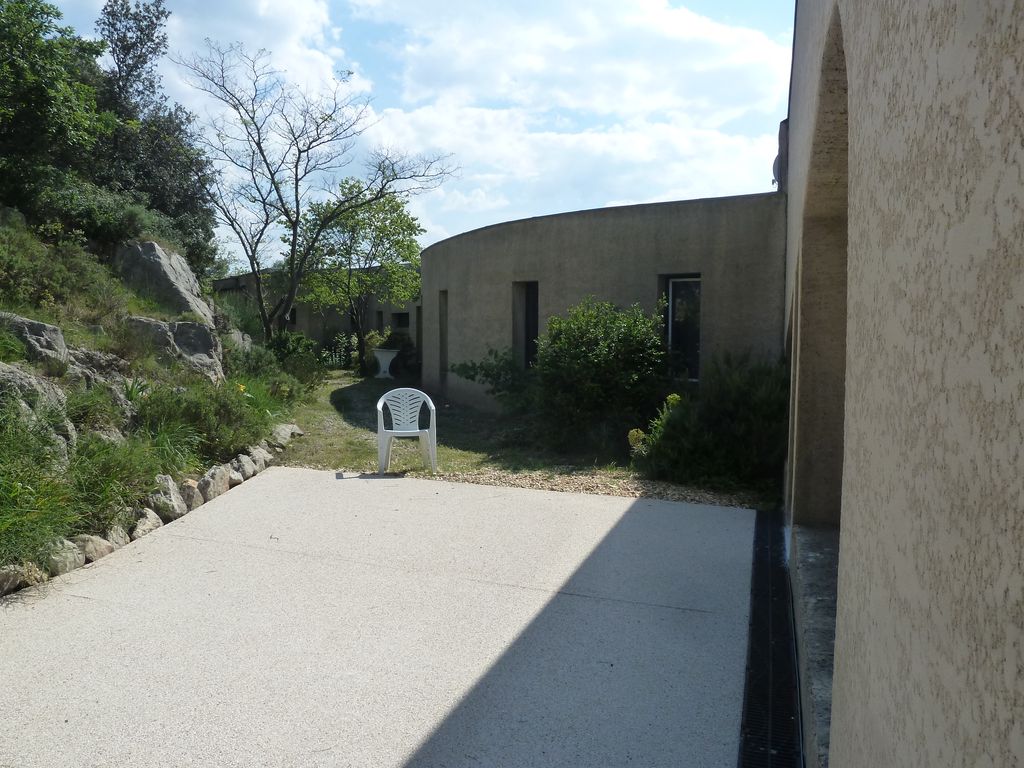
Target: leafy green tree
x=48 y=112
x=153 y=153
x=280 y=151
x=136 y=40
x=370 y=252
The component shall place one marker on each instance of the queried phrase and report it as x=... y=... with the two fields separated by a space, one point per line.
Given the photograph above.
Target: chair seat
x=407 y=432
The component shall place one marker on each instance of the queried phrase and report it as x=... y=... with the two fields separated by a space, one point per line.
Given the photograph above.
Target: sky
x=545 y=106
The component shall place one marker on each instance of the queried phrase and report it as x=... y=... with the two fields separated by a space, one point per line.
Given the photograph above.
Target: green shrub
x=256 y=361
x=35 y=500
x=513 y=386
x=241 y=312
x=93 y=408
x=298 y=356
x=107 y=479
x=12 y=348
x=223 y=417
x=731 y=433
x=600 y=370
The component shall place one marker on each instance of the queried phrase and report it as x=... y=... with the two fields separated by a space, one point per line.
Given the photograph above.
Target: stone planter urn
x=384 y=357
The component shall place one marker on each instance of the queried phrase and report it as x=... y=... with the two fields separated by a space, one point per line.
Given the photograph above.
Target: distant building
x=324 y=326
x=719 y=263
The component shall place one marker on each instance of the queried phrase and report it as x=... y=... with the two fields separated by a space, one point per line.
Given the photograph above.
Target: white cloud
x=564 y=105
x=546 y=105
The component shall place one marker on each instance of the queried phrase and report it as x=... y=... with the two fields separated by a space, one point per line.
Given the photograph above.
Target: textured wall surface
x=930 y=630
x=737 y=244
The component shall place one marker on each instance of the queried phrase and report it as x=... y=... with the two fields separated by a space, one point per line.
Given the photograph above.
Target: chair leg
x=384 y=453
x=433 y=456
x=425 y=450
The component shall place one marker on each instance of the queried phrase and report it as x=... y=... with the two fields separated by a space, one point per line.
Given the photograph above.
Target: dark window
x=525 y=321
x=380 y=320
x=684 y=324
x=400 y=320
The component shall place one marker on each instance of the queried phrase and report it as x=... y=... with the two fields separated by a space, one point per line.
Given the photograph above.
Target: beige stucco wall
x=737 y=244
x=930 y=633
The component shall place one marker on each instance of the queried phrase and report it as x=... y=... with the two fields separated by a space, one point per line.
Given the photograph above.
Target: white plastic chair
x=404 y=405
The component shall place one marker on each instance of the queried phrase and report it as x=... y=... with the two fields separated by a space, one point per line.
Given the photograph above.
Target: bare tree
x=279 y=149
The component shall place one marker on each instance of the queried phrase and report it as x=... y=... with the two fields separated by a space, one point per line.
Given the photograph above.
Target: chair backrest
x=404 y=405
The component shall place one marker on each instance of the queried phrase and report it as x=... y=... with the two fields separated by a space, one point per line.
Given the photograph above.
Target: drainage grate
x=770 y=733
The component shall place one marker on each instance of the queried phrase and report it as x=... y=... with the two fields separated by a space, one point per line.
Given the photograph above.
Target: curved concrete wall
x=929 y=666
x=736 y=244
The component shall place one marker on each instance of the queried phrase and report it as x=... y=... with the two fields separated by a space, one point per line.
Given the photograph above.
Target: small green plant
x=512 y=385
x=600 y=370
x=93 y=408
x=731 y=433
x=223 y=417
x=135 y=389
x=12 y=348
x=298 y=356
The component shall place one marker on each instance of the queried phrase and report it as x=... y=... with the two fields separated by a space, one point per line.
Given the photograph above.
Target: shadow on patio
x=639 y=657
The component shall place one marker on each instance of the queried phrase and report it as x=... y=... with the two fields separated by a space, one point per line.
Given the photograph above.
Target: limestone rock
x=110 y=435
x=166 y=501
x=283 y=434
x=194 y=344
x=43 y=342
x=215 y=482
x=118 y=537
x=162 y=276
x=40 y=399
x=90 y=366
x=14 y=577
x=64 y=557
x=234 y=478
x=200 y=348
x=93 y=547
x=10 y=579
x=244 y=466
x=148 y=522
x=261 y=457
x=191 y=494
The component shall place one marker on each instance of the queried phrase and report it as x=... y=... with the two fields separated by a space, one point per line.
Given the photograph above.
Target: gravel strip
x=576 y=481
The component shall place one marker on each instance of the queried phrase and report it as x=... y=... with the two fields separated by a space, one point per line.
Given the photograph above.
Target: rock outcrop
x=162 y=276
x=41 y=402
x=166 y=500
x=194 y=344
x=64 y=557
x=215 y=482
x=44 y=343
x=93 y=547
x=148 y=522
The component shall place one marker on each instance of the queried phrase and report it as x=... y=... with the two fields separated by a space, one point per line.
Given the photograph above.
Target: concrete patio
x=305 y=619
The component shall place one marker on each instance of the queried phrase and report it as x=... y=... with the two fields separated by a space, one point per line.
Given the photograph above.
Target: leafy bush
x=11 y=347
x=600 y=370
x=513 y=386
x=36 y=275
x=223 y=417
x=42 y=499
x=241 y=312
x=255 y=361
x=35 y=500
x=298 y=357
x=732 y=433
x=93 y=408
